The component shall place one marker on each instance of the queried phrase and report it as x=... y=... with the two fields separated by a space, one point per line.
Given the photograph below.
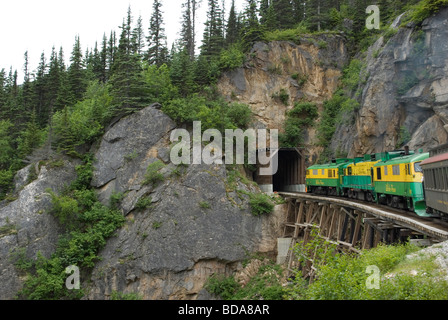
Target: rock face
x=25 y=224
x=306 y=71
x=405 y=95
x=196 y=225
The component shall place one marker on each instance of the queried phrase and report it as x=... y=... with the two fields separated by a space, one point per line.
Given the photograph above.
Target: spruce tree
x=76 y=73
x=128 y=87
x=284 y=13
x=40 y=86
x=157 y=52
x=138 y=38
x=232 y=31
x=187 y=31
x=213 y=39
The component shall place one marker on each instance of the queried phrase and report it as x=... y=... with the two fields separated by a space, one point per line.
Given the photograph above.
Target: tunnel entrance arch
x=290 y=174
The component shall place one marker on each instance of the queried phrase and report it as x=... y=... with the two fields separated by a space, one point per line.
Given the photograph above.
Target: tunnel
x=290 y=174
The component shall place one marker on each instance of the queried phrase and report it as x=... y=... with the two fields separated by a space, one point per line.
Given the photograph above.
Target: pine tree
x=64 y=95
x=213 y=39
x=76 y=73
x=187 y=31
x=3 y=113
x=138 y=38
x=298 y=10
x=54 y=80
x=182 y=71
x=284 y=12
x=251 y=15
x=111 y=51
x=232 y=32
x=40 y=86
x=128 y=87
x=157 y=51
x=27 y=97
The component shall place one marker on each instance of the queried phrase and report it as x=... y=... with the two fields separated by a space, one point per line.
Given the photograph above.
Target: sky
x=38 y=25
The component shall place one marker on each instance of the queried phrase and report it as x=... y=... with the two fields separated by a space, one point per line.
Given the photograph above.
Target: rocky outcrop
x=196 y=224
x=304 y=71
x=404 y=98
x=25 y=226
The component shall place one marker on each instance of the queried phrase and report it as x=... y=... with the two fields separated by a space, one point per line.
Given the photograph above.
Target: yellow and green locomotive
x=399 y=183
x=392 y=178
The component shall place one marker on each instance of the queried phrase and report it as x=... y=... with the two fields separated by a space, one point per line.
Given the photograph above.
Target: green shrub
x=301 y=116
x=260 y=204
x=240 y=115
x=231 y=58
x=204 y=205
x=424 y=9
x=224 y=287
x=282 y=96
x=344 y=276
x=351 y=77
x=6 y=179
x=115 y=295
x=153 y=176
x=265 y=285
x=143 y=203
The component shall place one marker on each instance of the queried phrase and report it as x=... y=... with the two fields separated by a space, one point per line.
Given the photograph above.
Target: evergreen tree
x=182 y=71
x=3 y=113
x=138 y=38
x=111 y=50
x=187 y=31
x=128 y=87
x=27 y=90
x=54 y=81
x=64 y=95
x=284 y=13
x=233 y=29
x=76 y=73
x=40 y=91
x=298 y=10
x=213 y=39
x=251 y=15
x=157 y=51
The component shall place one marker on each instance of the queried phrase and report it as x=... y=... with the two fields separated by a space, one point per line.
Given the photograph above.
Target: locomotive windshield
x=417 y=167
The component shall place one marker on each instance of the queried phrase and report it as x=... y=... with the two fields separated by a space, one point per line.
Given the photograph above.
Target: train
x=416 y=181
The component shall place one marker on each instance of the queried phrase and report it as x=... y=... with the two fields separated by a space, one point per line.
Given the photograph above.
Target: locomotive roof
x=436 y=158
x=404 y=159
x=331 y=165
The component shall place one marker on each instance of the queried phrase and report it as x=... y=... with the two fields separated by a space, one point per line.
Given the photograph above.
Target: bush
x=424 y=9
x=240 y=115
x=301 y=116
x=153 y=176
x=265 y=285
x=260 y=204
x=6 y=178
x=82 y=123
x=344 y=277
x=231 y=58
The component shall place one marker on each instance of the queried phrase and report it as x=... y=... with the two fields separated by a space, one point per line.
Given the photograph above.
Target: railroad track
x=433 y=228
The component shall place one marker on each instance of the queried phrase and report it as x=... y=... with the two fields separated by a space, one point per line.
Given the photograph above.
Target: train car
x=398 y=183
x=358 y=175
x=435 y=173
x=326 y=178
x=357 y=182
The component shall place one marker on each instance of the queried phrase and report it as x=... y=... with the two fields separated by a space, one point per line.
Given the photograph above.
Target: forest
x=61 y=108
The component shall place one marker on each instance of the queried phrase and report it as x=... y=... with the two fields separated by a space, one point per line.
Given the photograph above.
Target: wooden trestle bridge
x=351 y=226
